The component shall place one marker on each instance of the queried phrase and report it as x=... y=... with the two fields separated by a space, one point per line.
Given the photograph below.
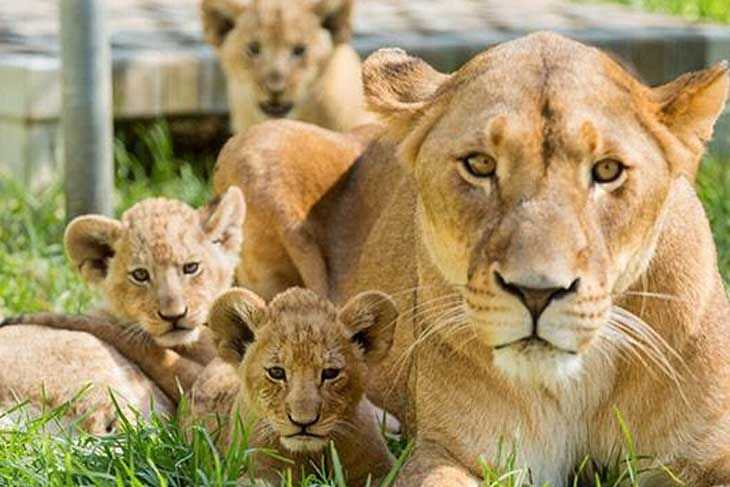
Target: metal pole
x=87 y=108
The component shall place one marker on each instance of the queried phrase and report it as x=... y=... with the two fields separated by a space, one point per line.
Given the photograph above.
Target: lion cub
x=158 y=269
x=287 y=59
x=302 y=368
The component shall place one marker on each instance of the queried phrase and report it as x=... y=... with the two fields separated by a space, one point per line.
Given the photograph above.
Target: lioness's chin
x=303 y=444
x=537 y=364
x=177 y=338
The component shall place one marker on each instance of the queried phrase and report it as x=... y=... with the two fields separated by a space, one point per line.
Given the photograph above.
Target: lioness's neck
x=678 y=293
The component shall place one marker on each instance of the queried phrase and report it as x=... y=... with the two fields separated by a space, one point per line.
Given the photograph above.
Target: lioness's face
x=541 y=189
x=161 y=266
x=538 y=208
x=275 y=51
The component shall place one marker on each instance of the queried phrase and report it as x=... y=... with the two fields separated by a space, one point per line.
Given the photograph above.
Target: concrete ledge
x=162 y=68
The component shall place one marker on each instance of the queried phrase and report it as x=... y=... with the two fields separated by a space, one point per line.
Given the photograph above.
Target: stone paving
x=163 y=68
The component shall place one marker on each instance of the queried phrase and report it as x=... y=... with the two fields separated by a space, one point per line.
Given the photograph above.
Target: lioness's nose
x=536 y=299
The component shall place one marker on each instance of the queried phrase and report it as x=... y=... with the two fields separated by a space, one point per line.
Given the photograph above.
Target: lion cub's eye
x=480 y=165
x=607 y=171
x=299 y=50
x=254 y=48
x=330 y=374
x=276 y=373
x=191 y=267
x=140 y=275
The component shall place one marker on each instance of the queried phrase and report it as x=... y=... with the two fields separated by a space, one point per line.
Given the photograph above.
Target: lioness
x=284 y=58
x=543 y=224
x=302 y=368
x=158 y=269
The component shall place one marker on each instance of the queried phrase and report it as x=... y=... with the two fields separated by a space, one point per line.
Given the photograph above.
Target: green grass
x=702 y=10
x=34 y=276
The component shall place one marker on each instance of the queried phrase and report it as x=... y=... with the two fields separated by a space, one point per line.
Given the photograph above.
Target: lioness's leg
x=431 y=466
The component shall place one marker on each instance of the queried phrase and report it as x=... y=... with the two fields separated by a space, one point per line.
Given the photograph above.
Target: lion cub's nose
x=174 y=318
x=536 y=299
x=303 y=421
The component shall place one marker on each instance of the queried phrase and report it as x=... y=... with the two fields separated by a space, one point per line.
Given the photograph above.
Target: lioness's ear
x=336 y=18
x=219 y=17
x=234 y=317
x=222 y=219
x=397 y=85
x=89 y=242
x=369 y=319
x=691 y=104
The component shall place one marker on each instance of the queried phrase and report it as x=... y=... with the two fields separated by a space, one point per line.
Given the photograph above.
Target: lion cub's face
x=274 y=50
x=162 y=265
x=304 y=363
x=542 y=169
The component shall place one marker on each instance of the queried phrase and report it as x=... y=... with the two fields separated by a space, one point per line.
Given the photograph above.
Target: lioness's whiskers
x=646 y=294
x=640 y=337
x=651 y=353
x=637 y=324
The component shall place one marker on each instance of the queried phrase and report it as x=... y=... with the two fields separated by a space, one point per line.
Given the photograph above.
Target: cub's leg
x=166 y=368
x=431 y=466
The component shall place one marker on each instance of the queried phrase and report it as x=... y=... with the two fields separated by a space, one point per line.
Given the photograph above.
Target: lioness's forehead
x=162 y=230
x=547 y=92
x=544 y=64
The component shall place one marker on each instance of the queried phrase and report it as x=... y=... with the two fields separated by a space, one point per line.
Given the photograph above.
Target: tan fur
x=304 y=335
x=257 y=42
x=282 y=243
x=160 y=236
x=546 y=109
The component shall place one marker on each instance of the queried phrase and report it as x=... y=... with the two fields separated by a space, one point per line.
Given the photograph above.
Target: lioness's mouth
x=534 y=341
x=276 y=109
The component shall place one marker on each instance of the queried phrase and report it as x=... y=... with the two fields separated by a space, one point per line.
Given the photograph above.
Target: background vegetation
x=702 y=10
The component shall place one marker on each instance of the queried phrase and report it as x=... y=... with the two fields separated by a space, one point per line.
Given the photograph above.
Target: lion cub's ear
x=222 y=219
x=691 y=104
x=219 y=18
x=336 y=18
x=369 y=319
x=234 y=317
x=89 y=242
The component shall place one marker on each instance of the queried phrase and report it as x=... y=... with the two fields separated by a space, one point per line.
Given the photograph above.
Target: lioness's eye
x=140 y=275
x=480 y=165
x=299 y=50
x=330 y=374
x=254 y=48
x=191 y=267
x=276 y=373
x=607 y=171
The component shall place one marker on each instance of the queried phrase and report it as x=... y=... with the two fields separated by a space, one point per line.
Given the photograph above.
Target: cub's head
x=543 y=169
x=303 y=363
x=274 y=50
x=163 y=263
